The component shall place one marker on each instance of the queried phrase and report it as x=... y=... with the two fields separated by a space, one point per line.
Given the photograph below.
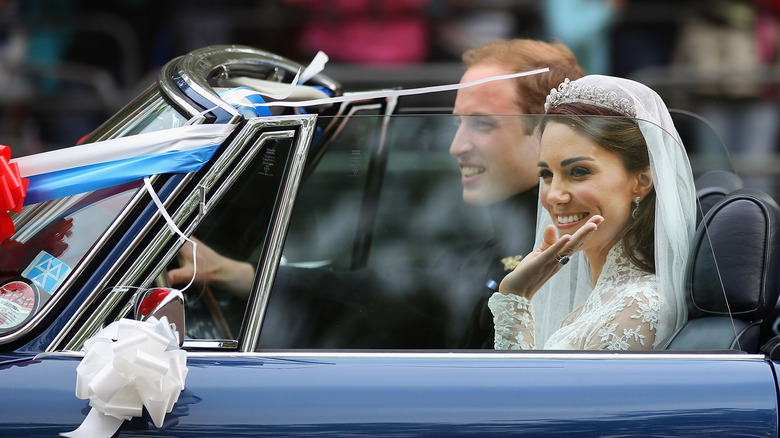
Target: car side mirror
x=159 y=302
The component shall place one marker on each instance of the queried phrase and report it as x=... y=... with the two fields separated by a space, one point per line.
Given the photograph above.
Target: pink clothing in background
x=378 y=32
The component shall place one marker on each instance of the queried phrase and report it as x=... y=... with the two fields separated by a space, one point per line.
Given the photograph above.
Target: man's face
x=497 y=158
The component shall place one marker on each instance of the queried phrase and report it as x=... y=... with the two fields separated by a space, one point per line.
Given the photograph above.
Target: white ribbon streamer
x=315 y=66
x=284 y=94
x=351 y=97
x=173 y=139
x=175 y=229
x=127 y=366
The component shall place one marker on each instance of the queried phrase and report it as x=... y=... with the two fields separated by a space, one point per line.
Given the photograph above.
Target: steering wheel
x=201 y=300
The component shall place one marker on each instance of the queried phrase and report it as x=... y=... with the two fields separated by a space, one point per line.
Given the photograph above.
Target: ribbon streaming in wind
x=102 y=164
x=352 y=97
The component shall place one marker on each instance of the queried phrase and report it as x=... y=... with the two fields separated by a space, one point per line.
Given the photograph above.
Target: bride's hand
x=538 y=266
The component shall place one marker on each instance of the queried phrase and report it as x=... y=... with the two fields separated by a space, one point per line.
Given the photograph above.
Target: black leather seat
x=713 y=185
x=744 y=236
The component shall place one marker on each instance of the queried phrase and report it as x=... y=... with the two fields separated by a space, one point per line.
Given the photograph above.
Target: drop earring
x=636 y=207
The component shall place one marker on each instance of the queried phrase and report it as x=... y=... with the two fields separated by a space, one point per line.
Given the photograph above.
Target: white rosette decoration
x=127 y=366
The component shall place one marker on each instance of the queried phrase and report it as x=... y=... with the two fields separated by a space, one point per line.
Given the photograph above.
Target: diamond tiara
x=571 y=92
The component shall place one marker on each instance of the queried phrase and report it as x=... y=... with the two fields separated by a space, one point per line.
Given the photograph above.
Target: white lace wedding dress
x=621 y=313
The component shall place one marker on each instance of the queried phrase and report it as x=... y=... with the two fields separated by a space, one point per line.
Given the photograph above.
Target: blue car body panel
x=388 y=394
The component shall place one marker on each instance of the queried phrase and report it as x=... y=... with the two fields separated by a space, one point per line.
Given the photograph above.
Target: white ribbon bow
x=129 y=365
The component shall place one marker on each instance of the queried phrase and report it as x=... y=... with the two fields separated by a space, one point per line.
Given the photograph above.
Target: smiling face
x=496 y=156
x=580 y=178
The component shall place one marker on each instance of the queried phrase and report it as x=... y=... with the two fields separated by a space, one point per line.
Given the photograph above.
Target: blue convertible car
x=363 y=318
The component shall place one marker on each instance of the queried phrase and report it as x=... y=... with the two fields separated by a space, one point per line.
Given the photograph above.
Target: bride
x=613 y=237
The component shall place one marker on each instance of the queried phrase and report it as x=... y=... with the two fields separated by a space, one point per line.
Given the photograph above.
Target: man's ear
x=643 y=183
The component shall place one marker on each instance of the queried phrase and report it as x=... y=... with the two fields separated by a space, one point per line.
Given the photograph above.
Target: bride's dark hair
x=620 y=135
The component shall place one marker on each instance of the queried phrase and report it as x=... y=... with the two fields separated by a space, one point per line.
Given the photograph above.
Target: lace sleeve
x=513 y=320
x=633 y=327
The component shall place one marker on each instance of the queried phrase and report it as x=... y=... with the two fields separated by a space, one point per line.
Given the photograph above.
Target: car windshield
x=147 y=113
x=53 y=237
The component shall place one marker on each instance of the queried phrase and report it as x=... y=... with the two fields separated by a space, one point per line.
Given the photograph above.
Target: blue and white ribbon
x=93 y=166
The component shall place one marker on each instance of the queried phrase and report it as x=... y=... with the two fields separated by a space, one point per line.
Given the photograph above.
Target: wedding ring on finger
x=562 y=259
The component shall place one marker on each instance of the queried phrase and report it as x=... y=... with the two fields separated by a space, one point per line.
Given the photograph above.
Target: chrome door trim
x=261 y=290
x=735 y=356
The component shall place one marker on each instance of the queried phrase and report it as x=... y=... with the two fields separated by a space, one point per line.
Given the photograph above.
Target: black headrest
x=744 y=236
x=713 y=185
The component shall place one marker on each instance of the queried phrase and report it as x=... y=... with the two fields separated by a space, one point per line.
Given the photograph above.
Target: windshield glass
x=148 y=113
x=53 y=237
x=406 y=226
x=50 y=243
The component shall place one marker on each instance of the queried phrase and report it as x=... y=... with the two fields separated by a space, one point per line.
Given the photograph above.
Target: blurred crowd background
x=67 y=65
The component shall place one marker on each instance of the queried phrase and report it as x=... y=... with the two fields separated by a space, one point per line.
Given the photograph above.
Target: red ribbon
x=13 y=189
